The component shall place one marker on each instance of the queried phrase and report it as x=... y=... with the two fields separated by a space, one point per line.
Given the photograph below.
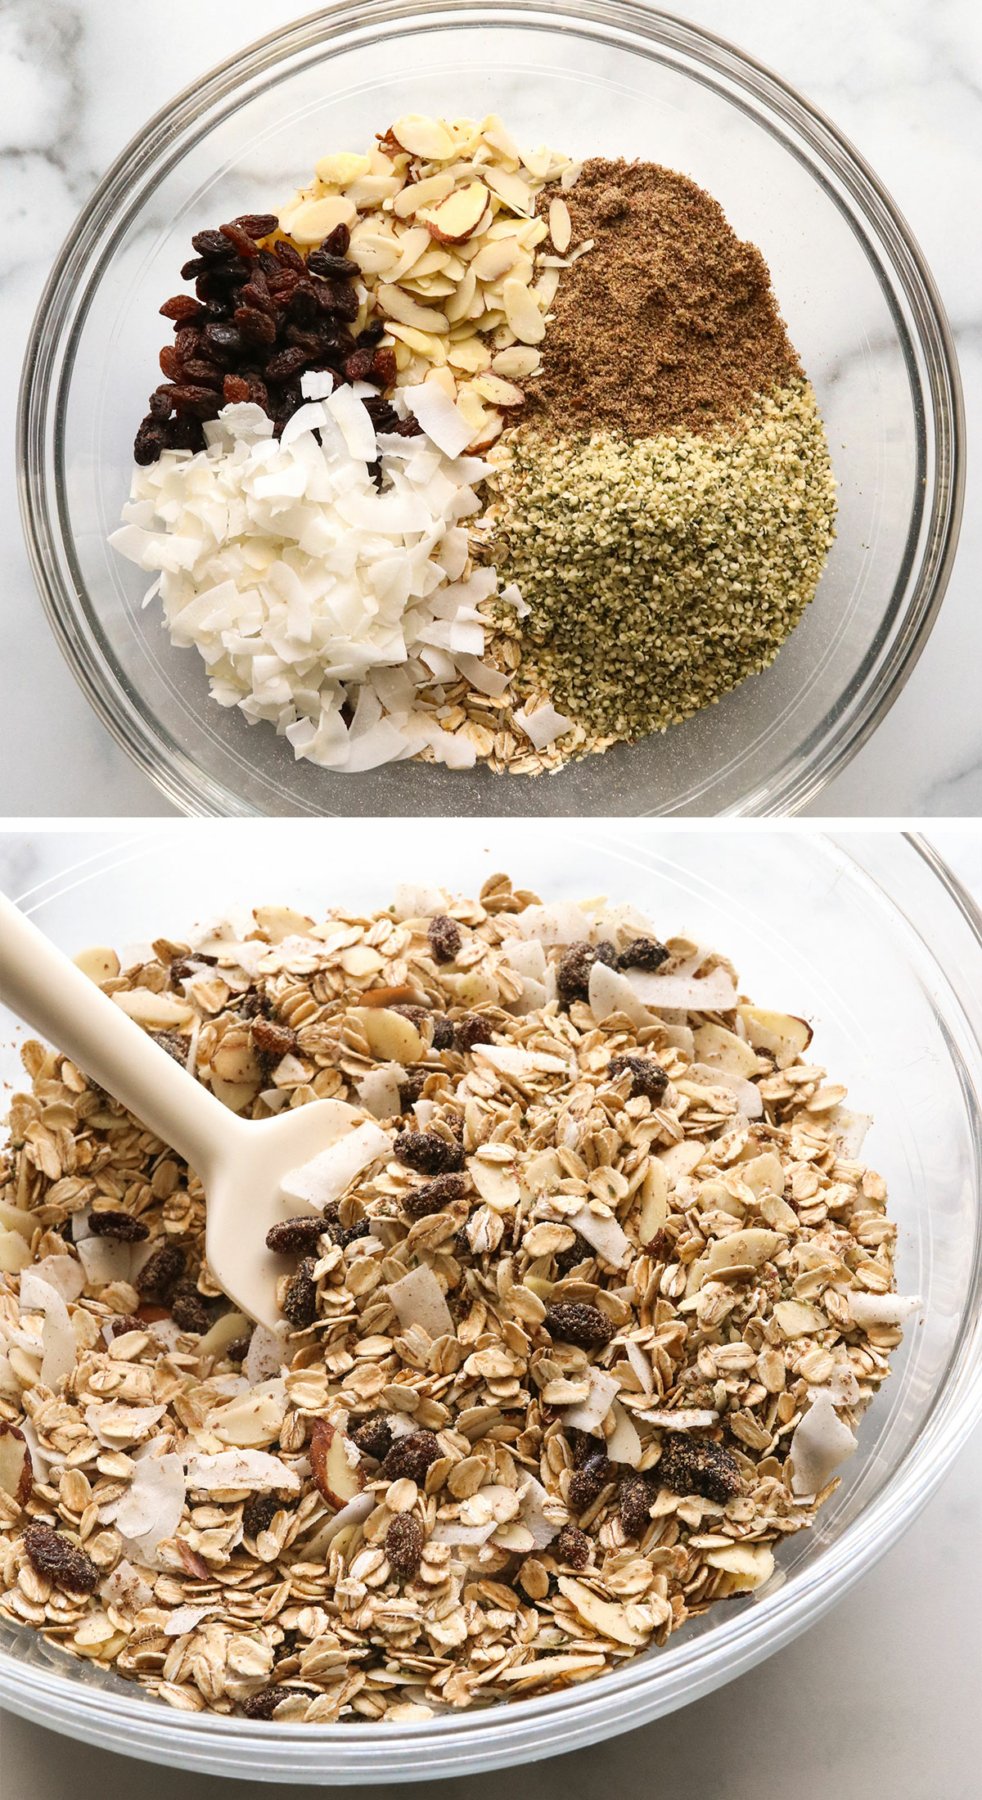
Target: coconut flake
x=440 y=417
x=850 y=1130
x=604 y=1235
x=419 y=1299
x=266 y=1356
x=526 y=956
x=256 y=1470
x=820 y=1443
x=184 y=1619
x=560 y=922
x=63 y=1273
x=378 y=1091
x=105 y=1260
x=882 y=1309
x=534 y=1514
x=509 y=1060
x=624 y=1444
x=354 y=1513
x=746 y=1093
x=610 y=992
x=589 y=1414
x=126 y=1588
x=149 y=1512
x=116 y=1425
x=684 y=1418
x=329 y=1175
x=544 y=725
x=685 y=993
x=59 y=1351
x=454 y=1531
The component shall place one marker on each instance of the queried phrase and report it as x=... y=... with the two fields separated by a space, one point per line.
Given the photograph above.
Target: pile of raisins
x=259 y=319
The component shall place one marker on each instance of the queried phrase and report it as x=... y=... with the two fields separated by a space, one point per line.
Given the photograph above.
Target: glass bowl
x=871 y=937
x=593 y=76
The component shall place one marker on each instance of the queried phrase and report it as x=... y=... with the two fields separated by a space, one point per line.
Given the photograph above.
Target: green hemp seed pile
x=661 y=571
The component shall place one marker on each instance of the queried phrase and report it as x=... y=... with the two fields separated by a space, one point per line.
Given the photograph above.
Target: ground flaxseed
x=668 y=322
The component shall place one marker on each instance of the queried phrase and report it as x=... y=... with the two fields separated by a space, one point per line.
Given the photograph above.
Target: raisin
x=200 y=402
x=300 y=1299
x=149 y=442
x=358 y=366
x=572 y=1547
x=384 y=367
x=286 y=363
x=223 y=340
x=211 y=244
x=174 y=1044
x=171 y=366
x=343 y=301
x=443 y=1032
x=408 y=427
x=373 y=333
x=51 y=1554
x=256 y=327
x=273 y=1039
x=647 y=1078
x=337 y=241
x=324 y=262
x=256 y=225
x=234 y=390
x=258 y=1513
x=428 y=1153
x=383 y=416
x=374 y=1436
x=121 y=1225
x=161 y=1273
x=573 y=971
x=295 y=1237
x=573 y=1322
x=349 y=1234
x=255 y=293
x=644 y=953
x=410 y=1457
x=182 y=307
x=288 y=256
x=588 y=1482
x=185 y=434
x=411 y=1088
x=445 y=938
x=240 y=241
x=432 y=1198
x=634 y=1498
x=195 y=266
x=661 y=1247
x=699 y=1466
x=404 y=1545
x=471 y=1030
x=188 y=1309
x=120 y=1323
x=238 y=1349
x=264 y=1704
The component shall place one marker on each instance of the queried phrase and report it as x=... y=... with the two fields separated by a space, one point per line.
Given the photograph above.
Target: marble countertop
x=880 y=1697
x=902 y=80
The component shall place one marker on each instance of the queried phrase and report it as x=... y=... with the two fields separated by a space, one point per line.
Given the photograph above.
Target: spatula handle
x=46 y=990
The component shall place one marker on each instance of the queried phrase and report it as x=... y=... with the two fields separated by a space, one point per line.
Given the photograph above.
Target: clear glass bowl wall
x=594 y=78
x=873 y=941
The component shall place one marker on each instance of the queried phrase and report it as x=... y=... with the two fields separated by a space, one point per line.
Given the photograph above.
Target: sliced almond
x=396 y=304
x=390 y=1035
x=496 y=257
x=459 y=216
x=514 y=190
x=500 y=393
x=517 y=363
x=421 y=344
x=471 y=355
x=313 y=220
x=156 y=1011
x=609 y=1620
x=493 y=132
x=783 y=1036
x=547 y=287
x=560 y=225
x=99 y=963
x=342 y=168
x=16 y=1468
x=459 y=304
x=428 y=192
x=522 y=313
x=422 y=136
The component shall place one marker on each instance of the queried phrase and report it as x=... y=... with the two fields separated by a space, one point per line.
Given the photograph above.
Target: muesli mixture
x=560 y=1367
x=471 y=453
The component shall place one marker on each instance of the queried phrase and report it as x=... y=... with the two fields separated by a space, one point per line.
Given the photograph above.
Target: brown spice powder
x=669 y=321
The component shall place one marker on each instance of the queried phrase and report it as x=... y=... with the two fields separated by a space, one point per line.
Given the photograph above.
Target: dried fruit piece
x=573 y=1322
x=572 y=1547
x=428 y=1153
x=573 y=969
x=647 y=1077
x=272 y=1039
x=300 y=1298
x=52 y=1554
x=691 y=1465
x=434 y=1196
x=643 y=953
x=119 y=1225
x=470 y=1030
x=16 y=1466
x=263 y=1704
x=634 y=1499
x=295 y=1237
x=259 y=1512
x=445 y=938
x=374 y=1436
x=588 y=1481
x=404 y=1545
x=410 y=1457
x=189 y=1310
x=161 y=1273
x=336 y=1472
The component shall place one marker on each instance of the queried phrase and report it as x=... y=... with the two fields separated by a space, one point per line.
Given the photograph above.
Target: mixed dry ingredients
x=473 y=453
x=583 y=1340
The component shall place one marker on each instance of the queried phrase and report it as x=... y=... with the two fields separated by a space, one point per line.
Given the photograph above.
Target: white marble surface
x=902 y=79
x=880 y=1698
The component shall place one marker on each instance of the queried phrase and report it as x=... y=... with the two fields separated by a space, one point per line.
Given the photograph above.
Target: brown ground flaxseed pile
x=670 y=321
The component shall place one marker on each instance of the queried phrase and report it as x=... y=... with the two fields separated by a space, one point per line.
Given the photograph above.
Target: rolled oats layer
x=559 y=1369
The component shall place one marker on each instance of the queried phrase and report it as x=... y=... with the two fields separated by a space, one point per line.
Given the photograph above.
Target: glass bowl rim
x=49 y=367
x=748 y=1637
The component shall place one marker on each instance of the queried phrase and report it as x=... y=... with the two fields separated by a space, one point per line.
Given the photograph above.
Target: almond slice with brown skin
x=499 y=392
x=457 y=217
x=16 y=1468
x=334 y=1463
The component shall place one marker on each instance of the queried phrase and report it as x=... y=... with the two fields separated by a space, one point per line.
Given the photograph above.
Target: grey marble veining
x=903 y=80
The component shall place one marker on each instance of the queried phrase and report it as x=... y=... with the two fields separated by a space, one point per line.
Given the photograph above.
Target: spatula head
x=242 y=1194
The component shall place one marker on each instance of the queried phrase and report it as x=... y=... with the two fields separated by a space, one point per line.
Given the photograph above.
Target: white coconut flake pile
x=306 y=589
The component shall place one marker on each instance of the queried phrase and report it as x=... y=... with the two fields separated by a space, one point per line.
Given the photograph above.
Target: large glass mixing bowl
x=873 y=940
x=594 y=77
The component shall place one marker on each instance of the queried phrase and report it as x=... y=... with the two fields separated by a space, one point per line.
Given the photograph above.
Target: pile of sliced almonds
x=456 y=253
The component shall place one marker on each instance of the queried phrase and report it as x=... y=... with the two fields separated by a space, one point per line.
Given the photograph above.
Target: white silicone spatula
x=240 y=1162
